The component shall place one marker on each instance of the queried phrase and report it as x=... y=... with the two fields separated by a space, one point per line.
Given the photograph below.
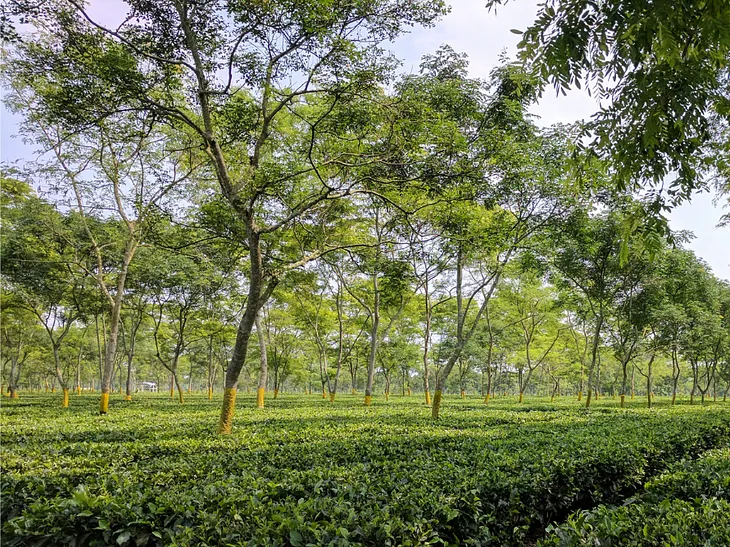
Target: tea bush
x=689 y=505
x=306 y=472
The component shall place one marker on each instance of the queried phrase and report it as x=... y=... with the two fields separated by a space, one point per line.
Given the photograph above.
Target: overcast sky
x=483 y=35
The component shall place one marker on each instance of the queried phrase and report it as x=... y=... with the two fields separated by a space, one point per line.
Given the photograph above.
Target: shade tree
x=661 y=88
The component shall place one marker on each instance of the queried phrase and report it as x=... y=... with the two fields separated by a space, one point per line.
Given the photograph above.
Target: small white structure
x=148 y=386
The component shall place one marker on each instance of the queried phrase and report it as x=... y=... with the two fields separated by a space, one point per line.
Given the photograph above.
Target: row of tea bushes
x=314 y=474
x=687 y=506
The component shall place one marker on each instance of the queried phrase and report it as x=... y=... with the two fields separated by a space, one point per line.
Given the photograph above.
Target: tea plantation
x=307 y=472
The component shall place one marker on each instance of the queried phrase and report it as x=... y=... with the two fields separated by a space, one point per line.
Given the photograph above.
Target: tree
x=682 y=280
x=629 y=318
x=428 y=265
x=119 y=165
x=18 y=330
x=659 y=69
x=509 y=180
x=534 y=308
x=241 y=61
x=38 y=256
x=578 y=323
x=382 y=269
x=588 y=262
x=314 y=309
x=281 y=334
x=180 y=283
x=706 y=336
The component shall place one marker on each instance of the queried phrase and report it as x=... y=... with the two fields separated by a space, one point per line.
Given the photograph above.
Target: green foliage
x=659 y=69
x=687 y=505
x=305 y=472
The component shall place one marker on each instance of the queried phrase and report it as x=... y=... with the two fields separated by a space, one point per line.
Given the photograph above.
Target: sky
x=483 y=35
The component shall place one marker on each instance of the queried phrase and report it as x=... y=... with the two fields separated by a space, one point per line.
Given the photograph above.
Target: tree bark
x=594 y=357
x=373 y=342
x=264 y=364
x=256 y=299
x=114 y=320
x=59 y=375
x=426 y=343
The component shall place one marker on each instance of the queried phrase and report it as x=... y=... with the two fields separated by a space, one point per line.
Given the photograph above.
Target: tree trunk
x=373 y=342
x=633 y=385
x=594 y=357
x=675 y=375
x=59 y=375
x=264 y=367
x=426 y=343
x=78 y=375
x=648 y=381
x=211 y=368
x=179 y=388
x=114 y=320
x=99 y=345
x=254 y=303
x=441 y=379
x=489 y=386
x=12 y=381
x=580 y=383
x=462 y=339
x=190 y=378
x=624 y=381
x=128 y=387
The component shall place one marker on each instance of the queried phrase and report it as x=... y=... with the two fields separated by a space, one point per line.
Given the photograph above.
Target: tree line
x=215 y=177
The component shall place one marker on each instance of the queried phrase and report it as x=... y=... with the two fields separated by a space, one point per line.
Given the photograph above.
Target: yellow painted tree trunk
x=260 y=397
x=65 y=398
x=436 y=404
x=104 y=402
x=225 y=423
